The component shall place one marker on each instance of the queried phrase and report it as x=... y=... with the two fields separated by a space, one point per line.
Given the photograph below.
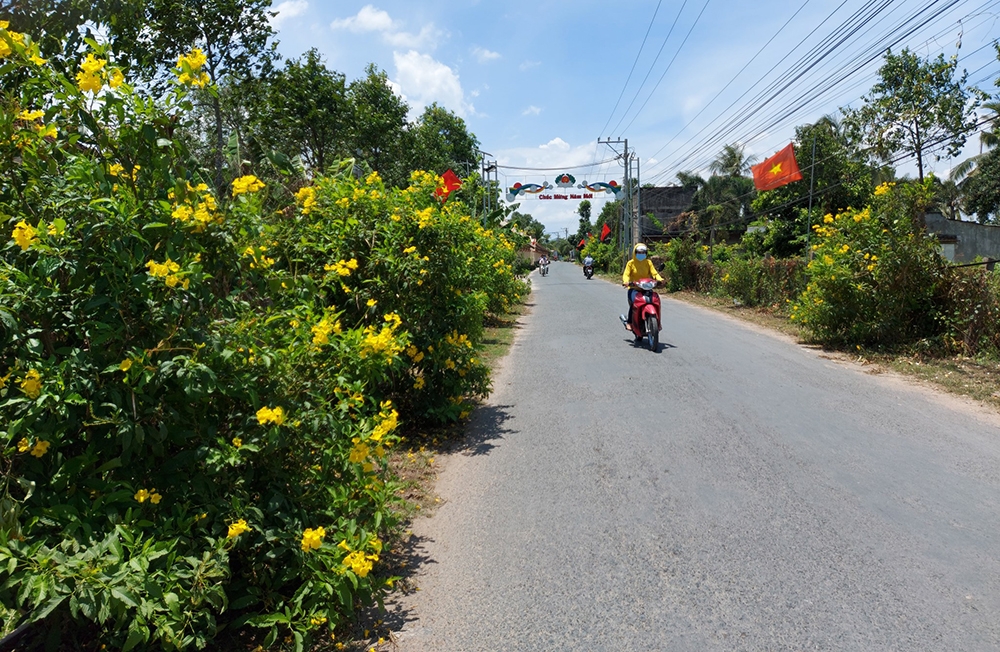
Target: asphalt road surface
x=733 y=491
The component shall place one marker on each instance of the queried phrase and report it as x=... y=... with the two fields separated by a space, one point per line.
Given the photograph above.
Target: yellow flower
x=317 y=620
x=32 y=384
x=359 y=562
x=30 y=116
x=162 y=270
x=142 y=495
x=321 y=331
x=419 y=383
x=115 y=169
x=194 y=59
x=358 y=454
x=37 y=60
x=246 y=184
x=343 y=202
x=24 y=235
x=125 y=365
x=89 y=78
x=409 y=250
x=155 y=498
x=883 y=189
x=312 y=539
x=306 y=197
x=116 y=79
x=387 y=423
x=237 y=528
x=371 y=303
x=342 y=267
x=266 y=415
x=24 y=445
x=237 y=442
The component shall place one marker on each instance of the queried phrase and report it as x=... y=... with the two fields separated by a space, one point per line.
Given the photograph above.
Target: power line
x=657 y=85
x=559 y=169
x=651 y=66
x=869 y=53
x=629 y=78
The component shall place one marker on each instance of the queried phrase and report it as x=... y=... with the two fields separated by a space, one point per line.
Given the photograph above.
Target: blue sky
x=538 y=82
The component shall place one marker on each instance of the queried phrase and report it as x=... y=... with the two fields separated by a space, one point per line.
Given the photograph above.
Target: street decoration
x=563 y=181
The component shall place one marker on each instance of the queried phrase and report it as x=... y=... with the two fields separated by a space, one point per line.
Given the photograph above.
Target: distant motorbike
x=646 y=313
x=544 y=269
x=588 y=271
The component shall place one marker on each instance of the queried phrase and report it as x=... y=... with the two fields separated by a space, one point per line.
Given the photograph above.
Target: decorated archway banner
x=546 y=190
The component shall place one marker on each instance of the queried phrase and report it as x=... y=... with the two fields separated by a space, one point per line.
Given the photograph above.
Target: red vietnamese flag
x=777 y=171
x=583 y=242
x=605 y=232
x=451 y=182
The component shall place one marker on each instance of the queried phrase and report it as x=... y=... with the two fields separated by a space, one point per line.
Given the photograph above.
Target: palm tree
x=732 y=161
x=988 y=139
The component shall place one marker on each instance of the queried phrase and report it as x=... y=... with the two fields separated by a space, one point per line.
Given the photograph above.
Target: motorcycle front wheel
x=652 y=332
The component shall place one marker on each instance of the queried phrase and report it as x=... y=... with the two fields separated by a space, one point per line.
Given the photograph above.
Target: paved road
x=735 y=491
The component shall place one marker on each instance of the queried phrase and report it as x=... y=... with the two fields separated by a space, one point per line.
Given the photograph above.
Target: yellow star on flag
x=776 y=170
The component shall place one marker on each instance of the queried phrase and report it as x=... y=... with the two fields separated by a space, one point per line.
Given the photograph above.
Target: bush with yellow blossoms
x=875 y=277
x=401 y=263
x=194 y=413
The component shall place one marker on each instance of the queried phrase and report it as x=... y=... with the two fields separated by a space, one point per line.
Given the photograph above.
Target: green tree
x=917 y=107
x=732 y=161
x=585 y=226
x=378 y=134
x=443 y=142
x=982 y=189
x=840 y=180
x=305 y=112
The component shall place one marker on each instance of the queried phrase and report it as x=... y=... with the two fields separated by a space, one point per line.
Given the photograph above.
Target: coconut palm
x=988 y=139
x=732 y=161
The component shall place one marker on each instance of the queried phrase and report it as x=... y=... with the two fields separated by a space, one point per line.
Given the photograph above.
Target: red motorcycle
x=645 y=323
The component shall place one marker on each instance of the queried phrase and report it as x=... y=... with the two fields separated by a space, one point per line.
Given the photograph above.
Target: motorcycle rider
x=639 y=267
x=588 y=261
x=543 y=262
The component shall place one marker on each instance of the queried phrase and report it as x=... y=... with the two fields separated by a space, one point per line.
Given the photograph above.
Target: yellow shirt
x=639 y=269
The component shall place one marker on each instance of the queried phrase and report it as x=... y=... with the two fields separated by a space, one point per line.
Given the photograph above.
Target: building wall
x=964 y=240
x=665 y=204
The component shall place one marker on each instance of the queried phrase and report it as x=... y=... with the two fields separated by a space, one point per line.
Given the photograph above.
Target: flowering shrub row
x=875 y=278
x=197 y=395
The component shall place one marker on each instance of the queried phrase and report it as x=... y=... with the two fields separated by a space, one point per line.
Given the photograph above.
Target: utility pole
x=626 y=233
x=491 y=182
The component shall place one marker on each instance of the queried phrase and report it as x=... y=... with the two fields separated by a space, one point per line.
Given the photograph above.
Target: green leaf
x=135 y=636
x=125 y=597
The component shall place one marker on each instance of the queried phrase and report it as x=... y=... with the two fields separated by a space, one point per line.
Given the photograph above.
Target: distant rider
x=638 y=268
x=588 y=261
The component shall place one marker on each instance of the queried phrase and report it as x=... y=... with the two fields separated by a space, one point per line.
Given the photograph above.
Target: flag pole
x=812 y=181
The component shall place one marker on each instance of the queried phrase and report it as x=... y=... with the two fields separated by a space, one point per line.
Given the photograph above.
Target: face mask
x=640 y=256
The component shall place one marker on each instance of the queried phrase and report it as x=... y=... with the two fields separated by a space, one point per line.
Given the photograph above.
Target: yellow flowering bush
x=187 y=407
x=418 y=277
x=875 y=275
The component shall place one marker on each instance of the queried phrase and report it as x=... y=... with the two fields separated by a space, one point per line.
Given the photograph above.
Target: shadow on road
x=641 y=344
x=487 y=425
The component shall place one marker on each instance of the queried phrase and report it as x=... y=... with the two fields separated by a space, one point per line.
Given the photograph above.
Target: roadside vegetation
x=210 y=348
x=858 y=274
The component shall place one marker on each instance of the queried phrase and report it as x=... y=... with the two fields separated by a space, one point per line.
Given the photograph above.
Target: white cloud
x=371 y=19
x=531 y=110
x=556 y=143
x=288 y=9
x=424 y=80
x=528 y=65
x=483 y=55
